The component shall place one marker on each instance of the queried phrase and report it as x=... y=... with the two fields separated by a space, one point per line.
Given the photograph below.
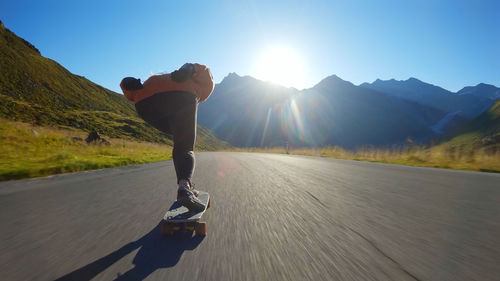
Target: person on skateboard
x=169 y=102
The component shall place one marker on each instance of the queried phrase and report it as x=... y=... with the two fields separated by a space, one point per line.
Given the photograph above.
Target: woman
x=169 y=102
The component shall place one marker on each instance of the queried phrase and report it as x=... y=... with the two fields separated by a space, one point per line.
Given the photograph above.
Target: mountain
x=251 y=113
x=38 y=90
x=481 y=91
x=468 y=102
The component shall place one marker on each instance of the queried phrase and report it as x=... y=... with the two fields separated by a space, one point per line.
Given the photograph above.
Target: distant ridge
x=468 y=102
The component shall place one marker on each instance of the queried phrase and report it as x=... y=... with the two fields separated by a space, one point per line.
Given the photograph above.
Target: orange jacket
x=201 y=84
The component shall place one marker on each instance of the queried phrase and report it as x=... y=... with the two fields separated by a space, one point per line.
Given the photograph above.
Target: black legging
x=174 y=113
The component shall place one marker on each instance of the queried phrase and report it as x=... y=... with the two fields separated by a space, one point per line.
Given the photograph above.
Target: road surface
x=272 y=217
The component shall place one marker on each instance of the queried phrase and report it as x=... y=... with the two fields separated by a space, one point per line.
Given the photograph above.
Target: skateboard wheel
x=167 y=229
x=201 y=229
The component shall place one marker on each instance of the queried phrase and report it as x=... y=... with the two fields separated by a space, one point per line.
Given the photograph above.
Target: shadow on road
x=155 y=252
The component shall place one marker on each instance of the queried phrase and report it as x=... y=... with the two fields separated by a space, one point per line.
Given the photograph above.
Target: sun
x=281 y=65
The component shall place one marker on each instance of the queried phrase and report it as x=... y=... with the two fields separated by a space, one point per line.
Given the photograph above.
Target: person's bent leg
x=183 y=126
x=175 y=113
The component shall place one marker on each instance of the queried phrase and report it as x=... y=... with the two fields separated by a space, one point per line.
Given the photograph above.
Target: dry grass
x=440 y=156
x=31 y=151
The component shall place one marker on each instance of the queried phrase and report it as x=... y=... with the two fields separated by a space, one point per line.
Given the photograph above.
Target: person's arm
x=203 y=80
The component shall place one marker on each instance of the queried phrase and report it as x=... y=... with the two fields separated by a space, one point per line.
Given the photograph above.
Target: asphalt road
x=272 y=217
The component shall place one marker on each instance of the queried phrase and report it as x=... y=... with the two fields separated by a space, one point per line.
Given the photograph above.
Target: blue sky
x=448 y=43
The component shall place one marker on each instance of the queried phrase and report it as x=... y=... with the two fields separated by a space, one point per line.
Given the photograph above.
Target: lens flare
x=269 y=111
x=292 y=122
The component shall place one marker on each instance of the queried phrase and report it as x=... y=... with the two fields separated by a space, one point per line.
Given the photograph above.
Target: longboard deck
x=179 y=217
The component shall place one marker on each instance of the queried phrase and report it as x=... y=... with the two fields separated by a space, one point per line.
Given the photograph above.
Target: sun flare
x=281 y=65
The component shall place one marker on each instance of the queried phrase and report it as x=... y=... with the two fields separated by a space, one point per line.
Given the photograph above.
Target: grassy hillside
x=38 y=90
x=481 y=132
x=29 y=77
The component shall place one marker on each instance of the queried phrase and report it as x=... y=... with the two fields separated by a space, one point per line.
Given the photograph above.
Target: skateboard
x=179 y=217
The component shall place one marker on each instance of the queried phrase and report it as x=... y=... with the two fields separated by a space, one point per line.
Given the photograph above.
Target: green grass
x=33 y=151
x=462 y=157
